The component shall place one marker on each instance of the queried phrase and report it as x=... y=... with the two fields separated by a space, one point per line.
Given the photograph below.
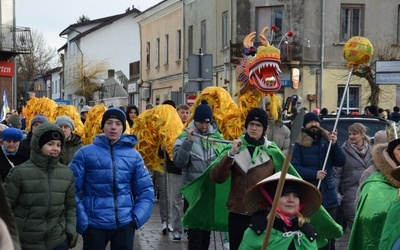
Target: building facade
x=313 y=55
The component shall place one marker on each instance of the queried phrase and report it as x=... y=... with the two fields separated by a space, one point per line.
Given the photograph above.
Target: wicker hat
x=311 y=198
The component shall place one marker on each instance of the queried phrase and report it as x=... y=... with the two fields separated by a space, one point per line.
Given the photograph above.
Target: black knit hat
x=203 y=112
x=115 y=113
x=51 y=135
x=259 y=115
x=391 y=146
x=310 y=116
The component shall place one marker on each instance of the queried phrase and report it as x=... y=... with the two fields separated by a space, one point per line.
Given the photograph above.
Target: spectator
x=395 y=115
x=193 y=155
x=161 y=184
x=73 y=142
x=379 y=188
x=23 y=119
x=316 y=110
x=114 y=191
x=84 y=113
x=366 y=111
x=8 y=115
x=2 y=128
x=14 y=121
x=277 y=132
x=174 y=196
x=25 y=145
x=298 y=201
x=373 y=110
x=40 y=192
x=131 y=113
x=357 y=151
x=149 y=106
x=246 y=165
x=308 y=158
x=10 y=232
x=324 y=111
x=183 y=112
x=9 y=155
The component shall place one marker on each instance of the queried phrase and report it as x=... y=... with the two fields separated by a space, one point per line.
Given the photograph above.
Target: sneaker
x=164 y=228
x=226 y=246
x=176 y=239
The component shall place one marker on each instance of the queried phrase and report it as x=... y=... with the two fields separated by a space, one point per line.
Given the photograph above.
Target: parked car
x=372 y=124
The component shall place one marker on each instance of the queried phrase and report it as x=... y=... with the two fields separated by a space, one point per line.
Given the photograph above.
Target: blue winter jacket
x=113 y=186
x=308 y=157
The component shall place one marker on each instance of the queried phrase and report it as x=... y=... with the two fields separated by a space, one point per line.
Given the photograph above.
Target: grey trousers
x=162 y=191
x=175 y=201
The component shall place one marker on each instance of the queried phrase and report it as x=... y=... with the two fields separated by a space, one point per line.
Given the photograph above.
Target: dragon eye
x=252 y=55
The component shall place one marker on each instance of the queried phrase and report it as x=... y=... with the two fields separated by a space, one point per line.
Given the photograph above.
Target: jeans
x=120 y=238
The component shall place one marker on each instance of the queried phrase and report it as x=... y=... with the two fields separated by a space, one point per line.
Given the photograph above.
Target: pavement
x=150 y=237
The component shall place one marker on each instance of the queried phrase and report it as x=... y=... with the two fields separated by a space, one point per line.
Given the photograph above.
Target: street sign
x=387 y=72
x=190 y=100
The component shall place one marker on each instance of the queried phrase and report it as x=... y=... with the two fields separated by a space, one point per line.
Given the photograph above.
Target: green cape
x=376 y=199
x=207 y=201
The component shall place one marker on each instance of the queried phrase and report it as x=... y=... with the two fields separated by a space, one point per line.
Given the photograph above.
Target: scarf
x=6 y=152
x=362 y=152
x=254 y=146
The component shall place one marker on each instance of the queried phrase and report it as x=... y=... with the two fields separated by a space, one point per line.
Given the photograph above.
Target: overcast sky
x=52 y=16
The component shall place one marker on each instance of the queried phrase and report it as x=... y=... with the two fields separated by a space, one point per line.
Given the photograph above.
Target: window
x=203 y=35
x=190 y=39
x=225 y=29
x=178 y=45
x=166 y=52
x=353 y=98
x=270 y=16
x=158 y=52
x=148 y=55
x=351 y=21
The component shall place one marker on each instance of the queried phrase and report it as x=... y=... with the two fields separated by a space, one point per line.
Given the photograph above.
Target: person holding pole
x=291 y=228
x=308 y=158
x=193 y=155
x=247 y=162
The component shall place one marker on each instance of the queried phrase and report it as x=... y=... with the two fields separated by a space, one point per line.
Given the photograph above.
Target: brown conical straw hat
x=311 y=198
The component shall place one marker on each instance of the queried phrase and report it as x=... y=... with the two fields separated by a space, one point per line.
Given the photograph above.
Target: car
x=372 y=124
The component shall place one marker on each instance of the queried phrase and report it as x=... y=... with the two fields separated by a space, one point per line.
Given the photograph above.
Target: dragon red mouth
x=264 y=75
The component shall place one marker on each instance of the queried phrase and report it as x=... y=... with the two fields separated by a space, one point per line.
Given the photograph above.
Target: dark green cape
x=207 y=201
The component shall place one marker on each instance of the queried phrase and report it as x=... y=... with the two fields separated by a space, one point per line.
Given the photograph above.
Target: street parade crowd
x=55 y=187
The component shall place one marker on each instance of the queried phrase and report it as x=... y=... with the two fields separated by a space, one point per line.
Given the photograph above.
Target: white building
x=113 y=40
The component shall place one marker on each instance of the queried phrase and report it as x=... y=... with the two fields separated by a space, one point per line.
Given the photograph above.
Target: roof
x=101 y=23
x=113 y=89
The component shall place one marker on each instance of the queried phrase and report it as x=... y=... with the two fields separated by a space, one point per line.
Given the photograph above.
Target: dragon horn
x=264 y=40
x=248 y=40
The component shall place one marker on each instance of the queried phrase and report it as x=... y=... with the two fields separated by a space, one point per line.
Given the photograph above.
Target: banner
x=5 y=108
x=7 y=69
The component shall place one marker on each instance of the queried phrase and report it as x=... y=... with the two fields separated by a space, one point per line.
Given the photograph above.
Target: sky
x=51 y=17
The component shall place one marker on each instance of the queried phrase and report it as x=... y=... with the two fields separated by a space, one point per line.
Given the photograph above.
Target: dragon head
x=262 y=67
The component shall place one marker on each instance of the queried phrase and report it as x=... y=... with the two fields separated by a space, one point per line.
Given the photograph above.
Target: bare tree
x=88 y=78
x=41 y=60
x=383 y=51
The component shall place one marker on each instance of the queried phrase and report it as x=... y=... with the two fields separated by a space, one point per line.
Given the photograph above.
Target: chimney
x=111 y=73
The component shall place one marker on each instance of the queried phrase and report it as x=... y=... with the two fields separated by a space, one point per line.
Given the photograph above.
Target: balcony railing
x=289 y=52
x=15 y=40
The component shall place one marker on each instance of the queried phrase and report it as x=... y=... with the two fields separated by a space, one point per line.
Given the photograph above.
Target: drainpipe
x=183 y=51
x=322 y=53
